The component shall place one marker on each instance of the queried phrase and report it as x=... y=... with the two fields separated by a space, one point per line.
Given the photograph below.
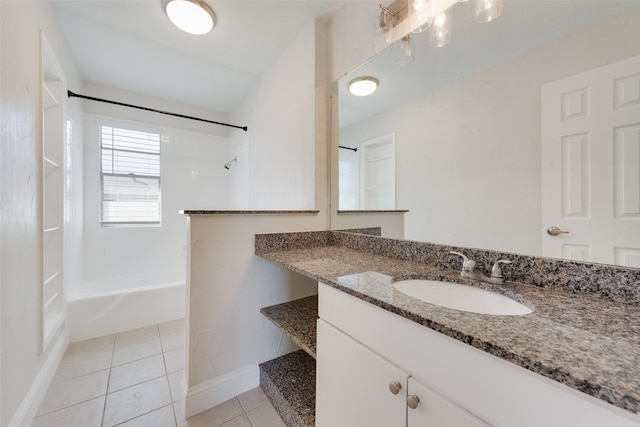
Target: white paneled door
x=378 y=173
x=591 y=165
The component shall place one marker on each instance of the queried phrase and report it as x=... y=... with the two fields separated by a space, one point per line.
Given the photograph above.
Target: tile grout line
x=73 y=404
x=141 y=415
x=133 y=385
x=166 y=376
x=166 y=373
x=106 y=392
x=108 y=370
x=135 y=360
x=152 y=379
x=246 y=414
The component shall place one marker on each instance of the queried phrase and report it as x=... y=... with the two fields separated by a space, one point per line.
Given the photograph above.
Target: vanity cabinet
x=362 y=348
x=357 y=387
x=352 y=384
x=433 y=409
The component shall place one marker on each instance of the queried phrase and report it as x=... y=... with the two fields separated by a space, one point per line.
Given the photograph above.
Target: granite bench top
x=585 y=342
x=204 y=212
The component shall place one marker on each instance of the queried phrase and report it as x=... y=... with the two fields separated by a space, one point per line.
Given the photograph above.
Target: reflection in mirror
x=517 y=125
x=368 y=175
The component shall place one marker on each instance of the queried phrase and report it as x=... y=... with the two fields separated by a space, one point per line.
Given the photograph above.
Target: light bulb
x=420 y=19
x=440 y=32
x=488 y=10
x=440 y=20
x=406 y=53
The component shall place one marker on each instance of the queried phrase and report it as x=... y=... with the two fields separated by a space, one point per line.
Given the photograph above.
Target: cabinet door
x=352 y=384
x=435 y=410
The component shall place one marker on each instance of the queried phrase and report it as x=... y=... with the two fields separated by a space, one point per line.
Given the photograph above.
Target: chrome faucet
x=469 y=270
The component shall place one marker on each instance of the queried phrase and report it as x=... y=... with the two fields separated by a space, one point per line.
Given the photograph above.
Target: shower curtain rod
x=349 y=148
x=91 y=98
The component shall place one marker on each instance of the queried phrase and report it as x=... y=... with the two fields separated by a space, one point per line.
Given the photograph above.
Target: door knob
x=555 y=231
x=412 y=401
x=395 y=387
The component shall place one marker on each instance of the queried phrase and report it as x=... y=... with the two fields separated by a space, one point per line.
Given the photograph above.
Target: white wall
x=192 y=177
x=227 y=286
x=351 y=36
x=22 y=363
x=469 y=154
x=276 y=163
x=227 y=283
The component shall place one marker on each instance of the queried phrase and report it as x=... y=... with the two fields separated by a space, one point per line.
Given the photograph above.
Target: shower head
x=228 y=164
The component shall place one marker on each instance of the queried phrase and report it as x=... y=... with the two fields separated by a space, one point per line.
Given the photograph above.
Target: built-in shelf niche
x=52 y=148
x=289 y=380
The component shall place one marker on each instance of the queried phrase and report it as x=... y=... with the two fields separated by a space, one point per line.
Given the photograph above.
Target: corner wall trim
x=29 y=405
x=216 y=390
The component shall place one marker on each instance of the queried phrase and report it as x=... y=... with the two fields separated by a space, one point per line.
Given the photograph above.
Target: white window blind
x=130 y=176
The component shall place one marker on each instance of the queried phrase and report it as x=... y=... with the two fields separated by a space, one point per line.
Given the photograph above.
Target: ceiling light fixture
x=383 y=34
x=191 y=16
x=363 y=86
x=420 y=17
x=401 y=17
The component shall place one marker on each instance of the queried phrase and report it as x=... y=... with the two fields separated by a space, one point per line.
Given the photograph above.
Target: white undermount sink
x=461 y=297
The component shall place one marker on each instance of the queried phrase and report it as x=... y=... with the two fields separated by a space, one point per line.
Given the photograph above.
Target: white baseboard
x=215 y=391
x=31 y=402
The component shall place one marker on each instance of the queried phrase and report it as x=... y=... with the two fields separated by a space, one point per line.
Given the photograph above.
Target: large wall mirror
x=518 y=125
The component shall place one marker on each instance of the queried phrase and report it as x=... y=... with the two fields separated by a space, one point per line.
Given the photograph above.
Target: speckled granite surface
x=608 y=282
x=298 y=320
x=370 y=231
x=577 y=334
x=290 y=384
x=375 y=211
x=285 y=241
x=248 y=212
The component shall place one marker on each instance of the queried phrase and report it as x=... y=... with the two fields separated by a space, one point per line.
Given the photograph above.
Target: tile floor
x=131 y=379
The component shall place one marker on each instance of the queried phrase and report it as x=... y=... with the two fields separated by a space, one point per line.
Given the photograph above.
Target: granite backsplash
x=609 y=282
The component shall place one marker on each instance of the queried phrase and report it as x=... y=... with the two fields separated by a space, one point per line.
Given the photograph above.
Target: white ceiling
x=524 y=24
x=132 y=45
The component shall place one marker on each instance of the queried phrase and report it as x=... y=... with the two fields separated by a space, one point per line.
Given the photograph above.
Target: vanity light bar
x=398 y=11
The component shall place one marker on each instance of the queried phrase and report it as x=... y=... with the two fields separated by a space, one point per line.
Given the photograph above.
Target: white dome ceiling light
x=191 y=16
x=363 y=86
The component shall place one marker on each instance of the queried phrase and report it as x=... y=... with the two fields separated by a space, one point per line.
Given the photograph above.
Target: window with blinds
x=130 y=176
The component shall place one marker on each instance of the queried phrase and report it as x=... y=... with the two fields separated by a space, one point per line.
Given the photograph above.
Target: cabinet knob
x=412 y=401
x=395 y=387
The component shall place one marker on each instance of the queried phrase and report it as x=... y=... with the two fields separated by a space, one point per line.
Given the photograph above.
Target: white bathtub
x=119 y=304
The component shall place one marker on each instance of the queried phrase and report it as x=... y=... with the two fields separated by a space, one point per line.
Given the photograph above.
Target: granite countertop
x=581 y=340
x=373 y=211
x=245 y=212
